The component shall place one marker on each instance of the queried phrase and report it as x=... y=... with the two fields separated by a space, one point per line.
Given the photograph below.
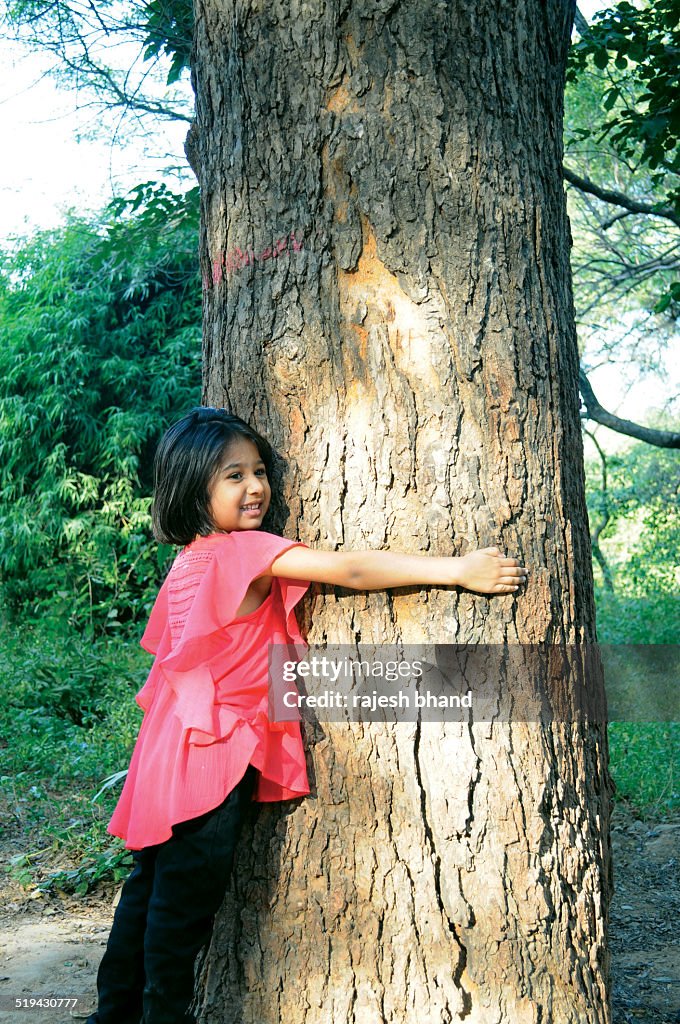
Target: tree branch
x=76 y=31
x=102 y=79
x=580 y=23
x=594 y=411
x=618 y=198
x=612 y=220
x=604 y=518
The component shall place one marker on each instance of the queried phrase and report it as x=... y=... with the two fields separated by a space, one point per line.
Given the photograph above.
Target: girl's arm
x=486 y=571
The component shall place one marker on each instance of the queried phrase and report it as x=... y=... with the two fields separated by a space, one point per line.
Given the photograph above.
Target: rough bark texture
x=387 y=297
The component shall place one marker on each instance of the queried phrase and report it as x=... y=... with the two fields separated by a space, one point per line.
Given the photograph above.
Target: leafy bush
x=68 y=721
x=99 y=351
x=640 y=542
x=652 y=618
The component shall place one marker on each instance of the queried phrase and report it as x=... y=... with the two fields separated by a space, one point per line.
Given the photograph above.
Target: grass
x=644 y=755
x=645 y=765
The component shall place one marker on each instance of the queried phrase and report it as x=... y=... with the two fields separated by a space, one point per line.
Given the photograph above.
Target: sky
x=56 y=163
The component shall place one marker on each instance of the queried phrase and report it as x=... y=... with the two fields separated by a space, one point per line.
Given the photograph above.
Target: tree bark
x=387 y=297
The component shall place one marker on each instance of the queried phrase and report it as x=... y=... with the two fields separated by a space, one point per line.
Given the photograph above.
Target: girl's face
x=239 y=491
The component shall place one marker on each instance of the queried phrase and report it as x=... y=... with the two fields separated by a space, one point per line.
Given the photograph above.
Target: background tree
x=623 y=166
x=385 y=261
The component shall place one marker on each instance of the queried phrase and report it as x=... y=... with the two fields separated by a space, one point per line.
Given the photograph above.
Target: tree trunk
x=387 y=297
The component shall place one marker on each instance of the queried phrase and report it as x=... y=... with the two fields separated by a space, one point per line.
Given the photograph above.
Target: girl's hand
x=487 y=571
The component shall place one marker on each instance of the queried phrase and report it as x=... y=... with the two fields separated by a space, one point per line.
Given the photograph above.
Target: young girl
x=206 y=747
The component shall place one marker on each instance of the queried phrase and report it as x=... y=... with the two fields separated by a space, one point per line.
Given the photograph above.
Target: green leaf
x=611 y=96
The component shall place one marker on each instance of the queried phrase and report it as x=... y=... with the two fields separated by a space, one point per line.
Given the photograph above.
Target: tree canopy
x=638 y=47
x=621 y=163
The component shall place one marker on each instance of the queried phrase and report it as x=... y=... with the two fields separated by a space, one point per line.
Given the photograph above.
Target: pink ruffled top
x=206 y=697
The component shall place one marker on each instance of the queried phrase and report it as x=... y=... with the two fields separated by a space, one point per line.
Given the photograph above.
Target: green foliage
x=622 y=107
x=48 y=745
x=645 y=765
x=110 y=864
x=53 y=762
x=648 y=618
x=99 y=351
x=620 y=262
x=169 y=28
x=641 y=541
x=639 y=45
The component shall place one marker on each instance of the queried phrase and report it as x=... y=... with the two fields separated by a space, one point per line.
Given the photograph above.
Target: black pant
x=165 y=915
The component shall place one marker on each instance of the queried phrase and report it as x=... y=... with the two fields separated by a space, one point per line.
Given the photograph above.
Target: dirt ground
x=51 y=945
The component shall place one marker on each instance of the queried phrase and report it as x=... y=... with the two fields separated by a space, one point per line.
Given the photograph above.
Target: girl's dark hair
x=186 y=460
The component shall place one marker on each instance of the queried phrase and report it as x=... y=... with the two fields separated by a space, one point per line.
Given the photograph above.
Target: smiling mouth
x=251 y=508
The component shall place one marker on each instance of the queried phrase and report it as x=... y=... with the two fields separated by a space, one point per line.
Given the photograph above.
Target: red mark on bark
x=236 y=259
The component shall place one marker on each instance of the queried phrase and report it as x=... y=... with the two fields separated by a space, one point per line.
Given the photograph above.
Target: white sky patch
x=54 y=161
x=589 y=7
